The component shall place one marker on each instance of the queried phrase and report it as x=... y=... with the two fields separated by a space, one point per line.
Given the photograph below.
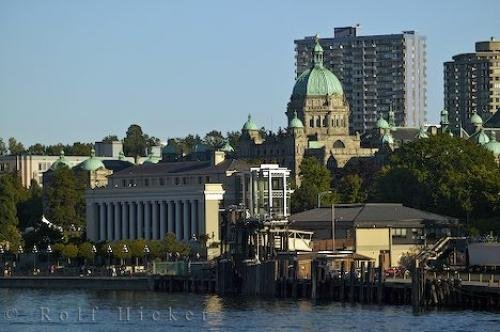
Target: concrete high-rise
x=472 y=84
x=376 y=72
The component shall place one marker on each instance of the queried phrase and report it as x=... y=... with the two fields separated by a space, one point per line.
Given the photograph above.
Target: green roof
x=480 y=137
x=295 y=122
x=91 y=164
x=493 y=145
x=61 y=162
x=317 y=81
x=227 y=147
x=476 y=119
x=250 y=125
x=382 y=123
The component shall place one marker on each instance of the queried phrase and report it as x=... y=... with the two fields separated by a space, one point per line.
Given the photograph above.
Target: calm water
x=75 y=310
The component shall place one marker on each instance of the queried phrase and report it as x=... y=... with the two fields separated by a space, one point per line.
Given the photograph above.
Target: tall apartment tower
x=377 y=72
x=472 y=84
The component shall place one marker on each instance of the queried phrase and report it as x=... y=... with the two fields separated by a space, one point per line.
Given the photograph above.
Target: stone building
x=318 y=124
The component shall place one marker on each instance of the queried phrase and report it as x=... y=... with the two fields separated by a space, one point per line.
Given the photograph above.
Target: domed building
x=93 y=171
x=318 y=124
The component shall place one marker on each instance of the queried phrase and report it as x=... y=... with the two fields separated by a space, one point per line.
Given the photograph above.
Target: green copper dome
x=151 y=159
x=422 y=133
x=317 y=81
x=169 y=149
x=227 y=147
x=476 y=119
x=91 y=164
x=296 y=123
x=387 y=139
x=382 y=123
x=493 y=145
x=250 y=125
x=61 y=162
x=480 y=137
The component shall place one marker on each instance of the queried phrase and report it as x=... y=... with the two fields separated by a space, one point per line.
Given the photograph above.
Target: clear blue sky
x=79 y=70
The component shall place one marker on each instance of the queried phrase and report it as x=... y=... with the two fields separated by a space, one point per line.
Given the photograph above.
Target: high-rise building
x=376 y=72
x=472 y=84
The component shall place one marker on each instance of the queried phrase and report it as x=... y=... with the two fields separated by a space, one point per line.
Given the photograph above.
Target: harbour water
x=82 y=310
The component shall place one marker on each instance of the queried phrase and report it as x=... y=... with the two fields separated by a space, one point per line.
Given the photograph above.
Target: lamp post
x=124 y=252
x=321 y=194
x=35 y=253
x=2 y=252
x=146 y=253
x=109 y=251
x=49 y=251
x=94 y=252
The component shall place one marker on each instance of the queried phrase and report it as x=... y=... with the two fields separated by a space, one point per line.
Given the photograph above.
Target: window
x=124 y=183
x=399 y=232
x=146 y=182
x=162 y=181
x=176 y=181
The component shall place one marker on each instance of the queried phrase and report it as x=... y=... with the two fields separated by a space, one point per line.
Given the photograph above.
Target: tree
x=64 y=199
x=9 y=232
x=85 y=251
x=80 y=149
x=30 y=209
x=214 y=139
x=351 y=189
x=37 y=149
x=3 y=147
x=69 y=252
x=110 y=139
x=15 y=147
x=442 y=174
x=172 y=245
x=134 y=143
x=315 y=179
x=233 y=138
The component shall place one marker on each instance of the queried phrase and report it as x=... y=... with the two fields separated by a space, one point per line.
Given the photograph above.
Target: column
x=186 y=222
x=194 y=218
x=147 y=220
x=132 y=220
x=102 y=221
x=124 y=220
x=170 y=220
x=163 y=220
x=285 y=213
x=140 y=221
x=109 y=221
x=178 y=220
x=116 y=215
x=155 y=220
x=202 y=229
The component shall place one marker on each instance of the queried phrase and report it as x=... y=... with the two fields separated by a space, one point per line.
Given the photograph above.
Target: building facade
x=318 y=124
x=472 y=84
x=376 y=72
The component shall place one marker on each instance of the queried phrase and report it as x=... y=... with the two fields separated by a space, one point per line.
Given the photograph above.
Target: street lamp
x=49 y=251
x=2 y=252
x=35 y=252
x=124 y=252
x=109 y=251
x=146 y=253
x=321 y=194
x=94 y=252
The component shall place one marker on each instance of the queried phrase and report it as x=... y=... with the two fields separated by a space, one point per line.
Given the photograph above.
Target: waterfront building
x=388 y=230
x=376 y=71
x=150 y=200
x=472 y=84
x=318 y=124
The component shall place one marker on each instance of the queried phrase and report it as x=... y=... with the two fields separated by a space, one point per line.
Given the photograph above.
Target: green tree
x=443 y=174
x=69 y=252
x=233 y=138
x=64 y=197
x=315 y=179
x=110 y=139
x=134 y=143
x=15 y=147
x=80 y=149
x=85 y=251
x=351 y=190
x=30 y=209
x=37 y=149
x=172 y=245
x=9 y=232
x=214 y=139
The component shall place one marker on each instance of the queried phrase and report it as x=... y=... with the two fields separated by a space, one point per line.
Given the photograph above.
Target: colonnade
x=149 y=220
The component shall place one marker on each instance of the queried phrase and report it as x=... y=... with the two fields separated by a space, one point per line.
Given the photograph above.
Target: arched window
x=318 y=122
x=331 y=163
x=325 y=123
x=311 y=123
x=338 y=145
